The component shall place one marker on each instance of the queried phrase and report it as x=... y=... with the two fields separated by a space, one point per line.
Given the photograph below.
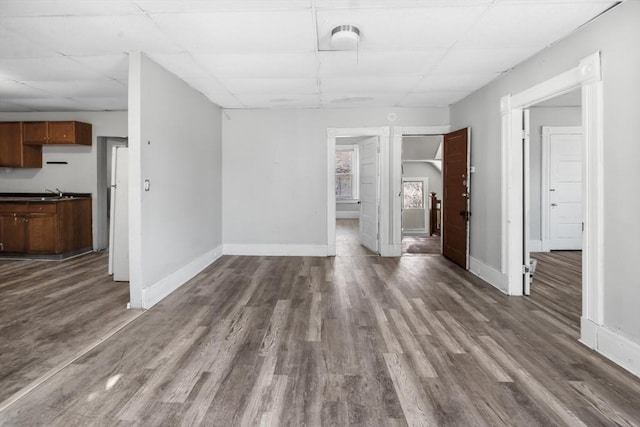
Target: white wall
x=275 y=164
x=80 y=175
x=425 y=169
x=175 y=143
x=539 y=117
x=616 y=35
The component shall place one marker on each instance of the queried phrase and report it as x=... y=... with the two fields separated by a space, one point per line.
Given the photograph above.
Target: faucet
x=58 y=192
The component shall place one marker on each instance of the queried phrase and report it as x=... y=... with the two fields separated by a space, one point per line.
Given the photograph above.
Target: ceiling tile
x=112 y=66
x=276 y=86
x=93 y=35
x=13 y=45
x=180 y=64
x=454 y=82
x=105 y=103
x=279 y=101
x=51 y=104
x=6 y=105
x=526 y=24
x=266 y=65
x=16 y=90
x=55 y=68
x=356 y=100
x=81 y=88
x=482 y=60
x=379 y=84
x=207 y=85
x=369 y=63
x=357 y=4
x=66 y=8
x=155 y=6
x=225 y=100
x=433 y=99
x=400 y=28
x=240 y=31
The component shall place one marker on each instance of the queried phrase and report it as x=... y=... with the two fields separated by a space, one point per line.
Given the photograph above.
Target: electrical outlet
x=147 y=185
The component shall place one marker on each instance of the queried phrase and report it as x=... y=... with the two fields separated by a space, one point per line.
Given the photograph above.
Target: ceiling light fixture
x=345 y=37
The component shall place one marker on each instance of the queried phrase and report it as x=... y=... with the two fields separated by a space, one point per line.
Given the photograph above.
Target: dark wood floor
x=365 y=341
x=557 y=286
x=51 y=312
x=427 y=245
x=348 y=239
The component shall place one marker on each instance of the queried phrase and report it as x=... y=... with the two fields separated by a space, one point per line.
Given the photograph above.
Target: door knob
x=554 y=204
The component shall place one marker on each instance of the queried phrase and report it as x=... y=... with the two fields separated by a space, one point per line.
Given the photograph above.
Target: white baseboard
x=153 y=294
x=275 y=250
x=535 y=246
x=347 y=215
x=611 y=345
x=489 y=274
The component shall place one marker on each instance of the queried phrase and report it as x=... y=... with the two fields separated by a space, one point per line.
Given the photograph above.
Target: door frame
x=547 y=131
x=383 y=133
x=587 y=76
x=425 y=197
x=395 y=245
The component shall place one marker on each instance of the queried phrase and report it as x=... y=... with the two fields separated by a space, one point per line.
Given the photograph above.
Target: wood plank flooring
x=557 y=286
x=348 y=238
x=365 y=341
x=427 y=245
x=51 y=311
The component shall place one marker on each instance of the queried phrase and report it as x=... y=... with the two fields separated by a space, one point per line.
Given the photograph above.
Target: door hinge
x=525 y=134
x=526 y=269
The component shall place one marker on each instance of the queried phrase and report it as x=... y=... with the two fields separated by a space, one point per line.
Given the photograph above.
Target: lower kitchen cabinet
x=53 y=228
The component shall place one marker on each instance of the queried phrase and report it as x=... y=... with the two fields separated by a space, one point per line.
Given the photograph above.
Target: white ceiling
x=61 y=55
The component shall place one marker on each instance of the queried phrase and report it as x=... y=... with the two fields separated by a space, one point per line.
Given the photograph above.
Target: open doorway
x=555 y=214
x=421 y=194
x=357 y=183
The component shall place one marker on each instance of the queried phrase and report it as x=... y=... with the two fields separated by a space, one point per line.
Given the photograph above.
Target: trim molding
x=536 y=246
x=612 y=345
x=347 y=214
x=489 y=274
x=251 y=249
x=154 y=293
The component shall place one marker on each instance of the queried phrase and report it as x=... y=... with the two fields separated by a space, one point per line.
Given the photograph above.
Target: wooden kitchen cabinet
x=53 y=227
x=13 y=233
x=14 y=153
x=66 y=132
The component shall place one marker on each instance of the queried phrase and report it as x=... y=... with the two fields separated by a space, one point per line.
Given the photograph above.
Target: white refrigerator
x=119 y=226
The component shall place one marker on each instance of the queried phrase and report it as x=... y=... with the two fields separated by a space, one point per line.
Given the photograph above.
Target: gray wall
x=80 y=175
x=286 y=181
x=616 y=35
x=175 y=142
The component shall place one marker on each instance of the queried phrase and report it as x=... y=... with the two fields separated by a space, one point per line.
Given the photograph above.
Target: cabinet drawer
x=13 y=207
x=42 y=207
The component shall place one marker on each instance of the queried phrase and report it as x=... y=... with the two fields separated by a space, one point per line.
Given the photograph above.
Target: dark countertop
x=40 y=197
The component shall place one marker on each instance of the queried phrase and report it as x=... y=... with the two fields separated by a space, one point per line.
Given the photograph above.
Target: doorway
x=421 y=194
x=554 y=214
x=358 y=154
x=585 y=76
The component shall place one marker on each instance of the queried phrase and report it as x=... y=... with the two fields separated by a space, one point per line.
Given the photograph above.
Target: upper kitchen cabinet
x=38 y=133
x=14 y=153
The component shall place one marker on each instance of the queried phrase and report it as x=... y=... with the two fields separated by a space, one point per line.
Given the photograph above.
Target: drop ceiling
x=63 y=55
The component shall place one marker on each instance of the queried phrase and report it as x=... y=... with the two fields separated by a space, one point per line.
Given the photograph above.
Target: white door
x=119 y=229
x=565 y=188
x=369 y=193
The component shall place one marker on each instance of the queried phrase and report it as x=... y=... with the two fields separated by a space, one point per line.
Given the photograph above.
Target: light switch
x=147 y=185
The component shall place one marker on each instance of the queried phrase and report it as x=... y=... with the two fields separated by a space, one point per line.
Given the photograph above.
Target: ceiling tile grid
x=72 y=54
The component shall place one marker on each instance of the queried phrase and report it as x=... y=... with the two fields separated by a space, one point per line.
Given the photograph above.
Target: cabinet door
x=10 y=144
x=36 y=133
x=41 y=233
x=69 y=133
x=13 y=233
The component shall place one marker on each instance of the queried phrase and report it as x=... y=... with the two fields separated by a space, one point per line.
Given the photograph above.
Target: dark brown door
x=455 y=214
